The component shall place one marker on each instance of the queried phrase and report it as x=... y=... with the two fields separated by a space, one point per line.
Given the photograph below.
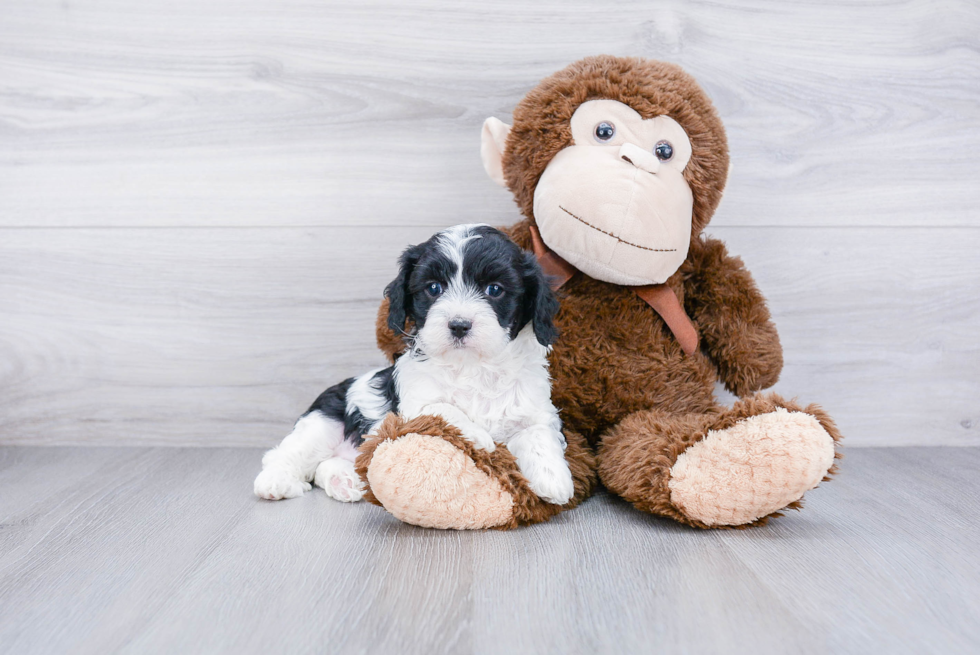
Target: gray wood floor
x=164 y=550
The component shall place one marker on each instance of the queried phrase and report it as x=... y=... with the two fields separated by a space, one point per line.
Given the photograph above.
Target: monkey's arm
x=732 y=318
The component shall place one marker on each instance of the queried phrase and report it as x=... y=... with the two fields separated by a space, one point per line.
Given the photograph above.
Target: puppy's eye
x=664 y=150
x=433 y=289
x=493 y=290
x=604 y=131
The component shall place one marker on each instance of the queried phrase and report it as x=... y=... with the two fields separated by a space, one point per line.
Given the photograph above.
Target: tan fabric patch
x=612 y=221
x=426 y=481
x=756 y=467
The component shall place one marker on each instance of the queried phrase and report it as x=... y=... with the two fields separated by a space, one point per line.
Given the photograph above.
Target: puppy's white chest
x=502 y=400
x=498 y=409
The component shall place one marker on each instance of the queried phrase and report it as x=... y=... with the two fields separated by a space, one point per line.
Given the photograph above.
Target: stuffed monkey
x=618 y=165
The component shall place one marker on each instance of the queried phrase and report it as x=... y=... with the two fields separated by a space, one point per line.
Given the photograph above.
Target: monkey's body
x=616 y=356
x=634 y=405
x=621 y=380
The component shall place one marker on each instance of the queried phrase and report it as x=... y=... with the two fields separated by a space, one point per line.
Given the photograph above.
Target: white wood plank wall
x=200 y=202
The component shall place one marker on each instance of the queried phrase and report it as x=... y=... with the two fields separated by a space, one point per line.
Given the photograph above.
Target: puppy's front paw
x=276 y=484
x=455 y=417
x=480 y=438
x=338 y=478
x=540 y=453
x=551 y=481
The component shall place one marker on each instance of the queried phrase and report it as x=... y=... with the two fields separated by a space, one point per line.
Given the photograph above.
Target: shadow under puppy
x=480 y=316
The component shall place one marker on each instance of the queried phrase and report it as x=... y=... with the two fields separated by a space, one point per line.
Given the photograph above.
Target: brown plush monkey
x=618 y=165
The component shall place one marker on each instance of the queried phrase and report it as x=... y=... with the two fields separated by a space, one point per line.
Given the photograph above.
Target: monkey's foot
x=425 y=473
x=730 y=468
x=756 y=467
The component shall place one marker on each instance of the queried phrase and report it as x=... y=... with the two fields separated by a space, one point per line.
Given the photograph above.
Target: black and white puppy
x=481 y=316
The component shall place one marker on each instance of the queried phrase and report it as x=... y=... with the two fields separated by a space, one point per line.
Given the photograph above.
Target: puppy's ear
x=540 y=304
x=399 y=299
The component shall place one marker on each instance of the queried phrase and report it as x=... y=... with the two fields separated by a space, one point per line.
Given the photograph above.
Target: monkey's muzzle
x=622 y=223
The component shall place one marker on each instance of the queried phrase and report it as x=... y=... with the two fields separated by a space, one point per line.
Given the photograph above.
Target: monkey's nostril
x=459 y=327
x=638 y=157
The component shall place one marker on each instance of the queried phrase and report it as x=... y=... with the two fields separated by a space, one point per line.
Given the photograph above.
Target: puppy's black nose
x=459 y=327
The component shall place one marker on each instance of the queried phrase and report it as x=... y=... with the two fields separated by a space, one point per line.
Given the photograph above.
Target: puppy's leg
x=455 y=416
x=337 y=476
x=288 y=468
x=540 y=453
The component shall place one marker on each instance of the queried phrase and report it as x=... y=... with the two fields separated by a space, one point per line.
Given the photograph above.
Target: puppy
x=481 y=316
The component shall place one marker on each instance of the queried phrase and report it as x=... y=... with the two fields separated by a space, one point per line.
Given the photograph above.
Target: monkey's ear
x=492 y=142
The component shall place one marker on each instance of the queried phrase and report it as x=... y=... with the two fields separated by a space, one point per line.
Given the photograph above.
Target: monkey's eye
x=493 y=290
x=604 y=131
x=433 y=289
x=664 y=151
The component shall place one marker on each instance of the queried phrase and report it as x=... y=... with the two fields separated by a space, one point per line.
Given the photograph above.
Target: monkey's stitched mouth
x=608 y=234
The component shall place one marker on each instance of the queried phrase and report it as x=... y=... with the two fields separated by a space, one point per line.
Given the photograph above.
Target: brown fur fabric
x=636 y=456
x=620 y=379
x=616 y=356
x=499 y=464
x=734 y=321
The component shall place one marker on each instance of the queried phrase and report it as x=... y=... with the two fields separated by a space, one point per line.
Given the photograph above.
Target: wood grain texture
x=165 y=550
x=201 y=202
x=287 y=113
x=223 y=337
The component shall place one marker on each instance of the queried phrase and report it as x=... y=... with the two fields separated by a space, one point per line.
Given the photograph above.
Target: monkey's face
x=615 y=203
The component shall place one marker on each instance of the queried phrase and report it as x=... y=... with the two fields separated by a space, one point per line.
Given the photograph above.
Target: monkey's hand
x=732 y=319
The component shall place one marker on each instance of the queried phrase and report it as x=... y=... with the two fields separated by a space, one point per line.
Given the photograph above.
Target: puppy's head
x=470 y=290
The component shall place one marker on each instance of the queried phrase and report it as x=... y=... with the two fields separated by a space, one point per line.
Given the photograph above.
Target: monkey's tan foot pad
x=426 y=481
x=425 y=473
x=749 y=470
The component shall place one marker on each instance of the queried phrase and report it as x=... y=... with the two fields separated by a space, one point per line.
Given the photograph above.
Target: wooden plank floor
x=164 y=550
